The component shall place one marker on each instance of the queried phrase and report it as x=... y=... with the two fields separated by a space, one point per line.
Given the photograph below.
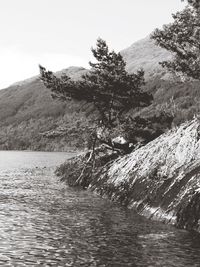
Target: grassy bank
x=160 y=180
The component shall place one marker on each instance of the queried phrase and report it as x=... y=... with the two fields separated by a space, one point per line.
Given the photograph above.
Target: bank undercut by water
x=160 y=180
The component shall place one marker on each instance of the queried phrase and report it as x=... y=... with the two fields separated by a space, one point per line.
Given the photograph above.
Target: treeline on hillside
x=33 y=134
x=23 y=130
x=181 y=99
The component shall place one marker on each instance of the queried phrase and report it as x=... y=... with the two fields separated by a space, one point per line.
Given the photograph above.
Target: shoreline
x=160 y=180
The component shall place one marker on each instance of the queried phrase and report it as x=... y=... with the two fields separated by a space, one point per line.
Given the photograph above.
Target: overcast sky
x=60 y=33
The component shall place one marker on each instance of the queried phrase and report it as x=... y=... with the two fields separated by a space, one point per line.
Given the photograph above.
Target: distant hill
x=145 y=54
x=28 y=113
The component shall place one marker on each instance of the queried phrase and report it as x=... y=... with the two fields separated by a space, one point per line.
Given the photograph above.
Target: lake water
x=45 y=223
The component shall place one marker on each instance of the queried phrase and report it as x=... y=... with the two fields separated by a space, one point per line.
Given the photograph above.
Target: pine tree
x=112 y=91
x=108 y=85
x=182 y=38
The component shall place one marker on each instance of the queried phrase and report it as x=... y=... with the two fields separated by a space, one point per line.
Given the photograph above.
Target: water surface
x=45 y=223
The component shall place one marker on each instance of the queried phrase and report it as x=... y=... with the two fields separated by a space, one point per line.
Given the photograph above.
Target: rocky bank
x=161 y=180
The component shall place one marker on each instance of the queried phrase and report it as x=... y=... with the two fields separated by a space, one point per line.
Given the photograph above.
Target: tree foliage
x=182 y=38
x=107 y=85
x=140 y=130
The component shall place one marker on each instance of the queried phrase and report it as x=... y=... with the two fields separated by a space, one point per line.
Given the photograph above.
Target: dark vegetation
x=182 y=38
x=108 y=87
x=28 y=113
x=113 y=92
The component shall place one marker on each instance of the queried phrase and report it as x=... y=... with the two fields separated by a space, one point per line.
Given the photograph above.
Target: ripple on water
x=45 y=223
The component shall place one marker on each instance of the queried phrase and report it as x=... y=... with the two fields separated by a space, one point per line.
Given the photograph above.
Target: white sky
x=60 y=33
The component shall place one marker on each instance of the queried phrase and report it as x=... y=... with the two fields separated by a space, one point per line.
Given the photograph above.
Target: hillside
x=27 y=110
x=145 y=54
x=170 y=94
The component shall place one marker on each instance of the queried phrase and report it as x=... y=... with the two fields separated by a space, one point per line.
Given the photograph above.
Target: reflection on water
x=45 y=223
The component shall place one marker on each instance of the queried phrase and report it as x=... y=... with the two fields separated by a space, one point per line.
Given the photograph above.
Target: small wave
x=156 y=236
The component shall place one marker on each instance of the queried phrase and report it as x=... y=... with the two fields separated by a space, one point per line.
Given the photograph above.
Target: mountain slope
x=27 y=110
x=145 y=54
x=182 y=99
